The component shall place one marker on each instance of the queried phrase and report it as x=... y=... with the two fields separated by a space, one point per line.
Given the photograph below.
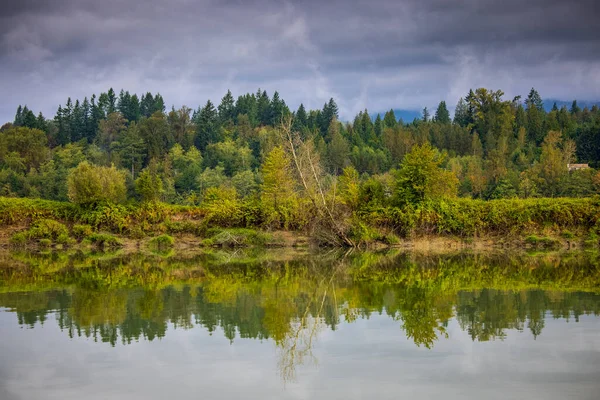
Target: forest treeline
x=295 y=164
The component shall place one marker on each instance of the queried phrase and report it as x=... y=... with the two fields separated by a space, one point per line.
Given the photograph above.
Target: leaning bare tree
x=331 y=226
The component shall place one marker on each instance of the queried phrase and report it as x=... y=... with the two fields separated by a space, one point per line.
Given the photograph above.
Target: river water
x=281 y=325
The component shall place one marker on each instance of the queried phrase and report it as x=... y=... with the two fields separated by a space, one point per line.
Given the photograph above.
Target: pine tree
x=263 y=108
x=207 y=125
x=378 y=127
x=159 y=104
x=77 y=125
x=227 y=109
x=147 y=105
x=389 y=120
x=575 y=110
x=300 y=119
x=461 y=113
x=19 y=116
x=86 y=113
x=95 y=117
x=28 y=118
x=112 y=102
x=425 y=114
x=247 y=105
x=442 y=115
x=534 y=100
x=278 y=110
x=41 y=123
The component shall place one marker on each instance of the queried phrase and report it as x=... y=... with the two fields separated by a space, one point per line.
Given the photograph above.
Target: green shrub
x=92 y=184
x=104 y=240
x=363 y=234
x=149 y=186
x=162 y=241
x=47 y=229
x=81 y=231
x=45 y=242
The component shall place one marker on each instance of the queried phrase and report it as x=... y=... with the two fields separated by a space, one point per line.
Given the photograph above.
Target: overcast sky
x=366 y=54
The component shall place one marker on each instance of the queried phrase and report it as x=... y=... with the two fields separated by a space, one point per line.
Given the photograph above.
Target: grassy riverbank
x=537 y=223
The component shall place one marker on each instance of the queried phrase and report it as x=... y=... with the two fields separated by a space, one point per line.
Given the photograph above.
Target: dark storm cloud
x=375 y=54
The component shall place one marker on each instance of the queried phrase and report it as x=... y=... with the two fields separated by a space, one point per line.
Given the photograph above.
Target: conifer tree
x=442 y=115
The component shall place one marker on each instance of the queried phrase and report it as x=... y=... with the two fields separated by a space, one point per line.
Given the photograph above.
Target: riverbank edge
x=539 y=224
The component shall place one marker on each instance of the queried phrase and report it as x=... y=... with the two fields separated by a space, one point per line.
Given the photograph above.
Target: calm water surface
x=280 y=326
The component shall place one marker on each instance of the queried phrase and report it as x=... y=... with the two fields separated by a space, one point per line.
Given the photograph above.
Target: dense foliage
x=254 y=161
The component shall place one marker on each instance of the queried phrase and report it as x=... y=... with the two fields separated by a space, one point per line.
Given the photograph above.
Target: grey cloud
x=374 y=54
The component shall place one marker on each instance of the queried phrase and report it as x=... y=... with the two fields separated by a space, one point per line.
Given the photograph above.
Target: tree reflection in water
x=291 y=298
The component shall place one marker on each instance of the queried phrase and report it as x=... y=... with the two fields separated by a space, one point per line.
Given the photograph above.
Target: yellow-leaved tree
x=278 y=195
x=91 y=184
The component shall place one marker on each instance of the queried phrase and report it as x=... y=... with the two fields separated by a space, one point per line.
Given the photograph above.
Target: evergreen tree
x=461 y=113
x=278 y=110
x=95 y=117
x=247 y=105
x=112 y=101
x=207 y=126
x=575 y=110
x=18 y=117
x=28 y=118
x=378 y=127
x=442 y=115
x=41 y=123
x=77 y=123
x=389 y=120
x=86 y=115
x=147 y=105
x=300 y=119
x=227 y=109
x=534 y=100
x=425 y=114
x=263 y=108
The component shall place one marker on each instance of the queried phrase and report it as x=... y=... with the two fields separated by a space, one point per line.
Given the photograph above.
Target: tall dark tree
x=535 y=116
x=112 y=101
x=442 y=115
x=263 y=108
x=77 y=123
x=378 y=127
x=207 y=126
x=278 y=109
x=227 y=109
x=18 y=116
x=247 y=105
x=575 y=109
x=461 y=113
x=300 y=119
x=329 y=112
x=389 y=120
x=425 y=114
x=534 y=100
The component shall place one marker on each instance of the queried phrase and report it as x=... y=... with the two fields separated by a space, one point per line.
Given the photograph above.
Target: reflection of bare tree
x=296 y=346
